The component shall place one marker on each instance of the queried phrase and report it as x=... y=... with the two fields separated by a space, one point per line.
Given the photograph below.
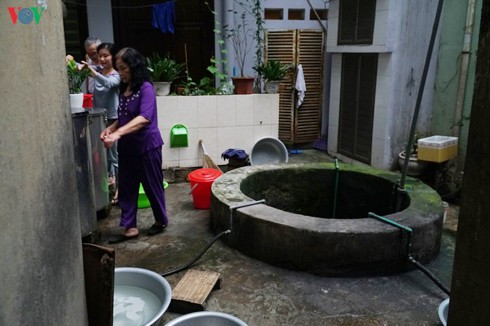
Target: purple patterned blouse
x=143 y=103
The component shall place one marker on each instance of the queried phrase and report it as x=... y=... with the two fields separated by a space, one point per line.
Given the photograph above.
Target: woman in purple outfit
x=139 y=145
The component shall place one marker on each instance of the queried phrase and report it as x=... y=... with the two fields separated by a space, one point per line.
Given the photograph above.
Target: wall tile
x=226 y=139
x=245 y=138
x=226 y=111
x=188 y=111
x=244 y=110
x=168 y=111
x=207 y=111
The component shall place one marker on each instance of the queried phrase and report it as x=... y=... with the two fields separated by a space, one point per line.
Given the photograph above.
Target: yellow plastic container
x=437 y=148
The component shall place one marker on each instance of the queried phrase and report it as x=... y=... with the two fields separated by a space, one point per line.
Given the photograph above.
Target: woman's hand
x=87 y=66
x=68 y=58
x=110 y=139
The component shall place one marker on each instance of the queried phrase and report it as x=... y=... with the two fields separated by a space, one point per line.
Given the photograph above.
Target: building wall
x=41 y=259
x=99 y=18
x=450 y=70
x=401 y=36
x=221 y=122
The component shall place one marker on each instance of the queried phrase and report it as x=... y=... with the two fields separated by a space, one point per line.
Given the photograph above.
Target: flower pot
x=416 y=167
x=162 y=88
x=272 y=86
x=76 y=102
x=243 y=85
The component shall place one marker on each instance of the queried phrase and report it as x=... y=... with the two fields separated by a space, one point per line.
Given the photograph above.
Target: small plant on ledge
x=163 y=70
x=272 y=72
x=76 y=77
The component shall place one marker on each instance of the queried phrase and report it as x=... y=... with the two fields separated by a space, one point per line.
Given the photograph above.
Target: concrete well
x=309 y=223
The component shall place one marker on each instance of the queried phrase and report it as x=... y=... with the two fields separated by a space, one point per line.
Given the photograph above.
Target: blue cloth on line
x=238 y=153
x=163 y=17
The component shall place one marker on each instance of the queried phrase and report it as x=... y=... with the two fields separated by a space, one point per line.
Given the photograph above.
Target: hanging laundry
x=300 y=86
x=163 y=17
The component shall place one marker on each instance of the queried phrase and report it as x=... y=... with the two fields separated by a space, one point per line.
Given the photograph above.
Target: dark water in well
x=323 y=193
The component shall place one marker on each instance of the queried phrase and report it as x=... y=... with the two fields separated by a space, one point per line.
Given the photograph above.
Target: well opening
x=318 y=192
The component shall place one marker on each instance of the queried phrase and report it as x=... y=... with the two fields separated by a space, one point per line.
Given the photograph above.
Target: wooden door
x=357 y=94
x=305 y=47
x=194 y=36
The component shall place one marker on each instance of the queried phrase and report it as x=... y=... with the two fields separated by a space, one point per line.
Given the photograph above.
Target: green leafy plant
x=76 y=77
x=205 y=87
x=272 y=70
x=164 y=69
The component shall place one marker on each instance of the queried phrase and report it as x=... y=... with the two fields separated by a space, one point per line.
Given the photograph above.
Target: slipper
x=156 y=229
x=121 y=238
x=115 y=199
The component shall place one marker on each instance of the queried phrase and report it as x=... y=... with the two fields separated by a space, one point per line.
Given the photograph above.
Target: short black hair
x=138 y=67
x=112 y=50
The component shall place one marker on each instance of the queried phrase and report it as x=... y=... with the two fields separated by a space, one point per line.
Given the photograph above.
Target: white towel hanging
x=300 y=86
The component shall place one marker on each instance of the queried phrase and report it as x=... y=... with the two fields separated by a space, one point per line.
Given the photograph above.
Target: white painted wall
x=401 y=38
x=99 y=18
x=221 y=121
x=307 y=23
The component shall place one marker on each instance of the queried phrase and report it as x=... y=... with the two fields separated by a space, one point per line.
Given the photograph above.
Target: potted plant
x=241 y=39
x=416 y=167
x=163 y=71
x=76 y=77
x=272 y=72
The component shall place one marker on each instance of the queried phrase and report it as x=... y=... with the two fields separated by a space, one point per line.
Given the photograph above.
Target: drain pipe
x=335 y=190
x=410 y=258
x=202 y=252
x=418 y=102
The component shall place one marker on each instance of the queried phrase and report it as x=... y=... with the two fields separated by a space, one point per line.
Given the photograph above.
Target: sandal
x=156 y=229
x=115 y=199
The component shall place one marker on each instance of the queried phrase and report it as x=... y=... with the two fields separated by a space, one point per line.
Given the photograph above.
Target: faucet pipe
x=410 y=258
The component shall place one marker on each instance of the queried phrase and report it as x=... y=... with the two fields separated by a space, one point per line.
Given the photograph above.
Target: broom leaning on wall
x=207 y=161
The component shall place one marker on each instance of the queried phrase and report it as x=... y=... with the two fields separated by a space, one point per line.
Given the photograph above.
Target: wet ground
x=261 y=294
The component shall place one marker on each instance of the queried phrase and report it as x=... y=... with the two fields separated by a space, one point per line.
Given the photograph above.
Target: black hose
x=232 y=209
x=409 y=232
x=429 y=274
x=419 y=98
x=189 y=264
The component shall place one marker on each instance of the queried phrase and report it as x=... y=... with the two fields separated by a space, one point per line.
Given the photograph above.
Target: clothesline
x=115 y=7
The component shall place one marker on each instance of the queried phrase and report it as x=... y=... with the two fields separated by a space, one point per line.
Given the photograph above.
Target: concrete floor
x=261 y=294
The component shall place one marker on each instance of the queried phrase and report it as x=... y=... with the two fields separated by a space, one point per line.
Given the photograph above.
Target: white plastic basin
x=207 y=318
x=443 y=309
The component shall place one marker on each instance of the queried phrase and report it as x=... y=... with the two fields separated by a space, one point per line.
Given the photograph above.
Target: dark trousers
x=147 y=170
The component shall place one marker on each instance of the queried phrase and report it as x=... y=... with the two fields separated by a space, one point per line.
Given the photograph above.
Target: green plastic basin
x=143 y=201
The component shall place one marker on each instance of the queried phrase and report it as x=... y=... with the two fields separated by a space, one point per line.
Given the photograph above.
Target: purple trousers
x=147 y=170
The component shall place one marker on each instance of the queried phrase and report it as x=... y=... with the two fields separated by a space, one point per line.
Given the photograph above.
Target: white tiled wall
x=222 y=122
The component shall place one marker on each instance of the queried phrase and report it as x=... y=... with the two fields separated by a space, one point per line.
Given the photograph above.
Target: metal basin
x=268 y=150
x=443 y=309
x=207 y=318
x=141 y=296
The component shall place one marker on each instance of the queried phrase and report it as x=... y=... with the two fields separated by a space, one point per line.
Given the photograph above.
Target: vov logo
x=25 y=15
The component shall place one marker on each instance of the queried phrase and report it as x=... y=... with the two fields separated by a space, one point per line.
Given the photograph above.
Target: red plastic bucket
x=87 y=100
x=201 y=181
